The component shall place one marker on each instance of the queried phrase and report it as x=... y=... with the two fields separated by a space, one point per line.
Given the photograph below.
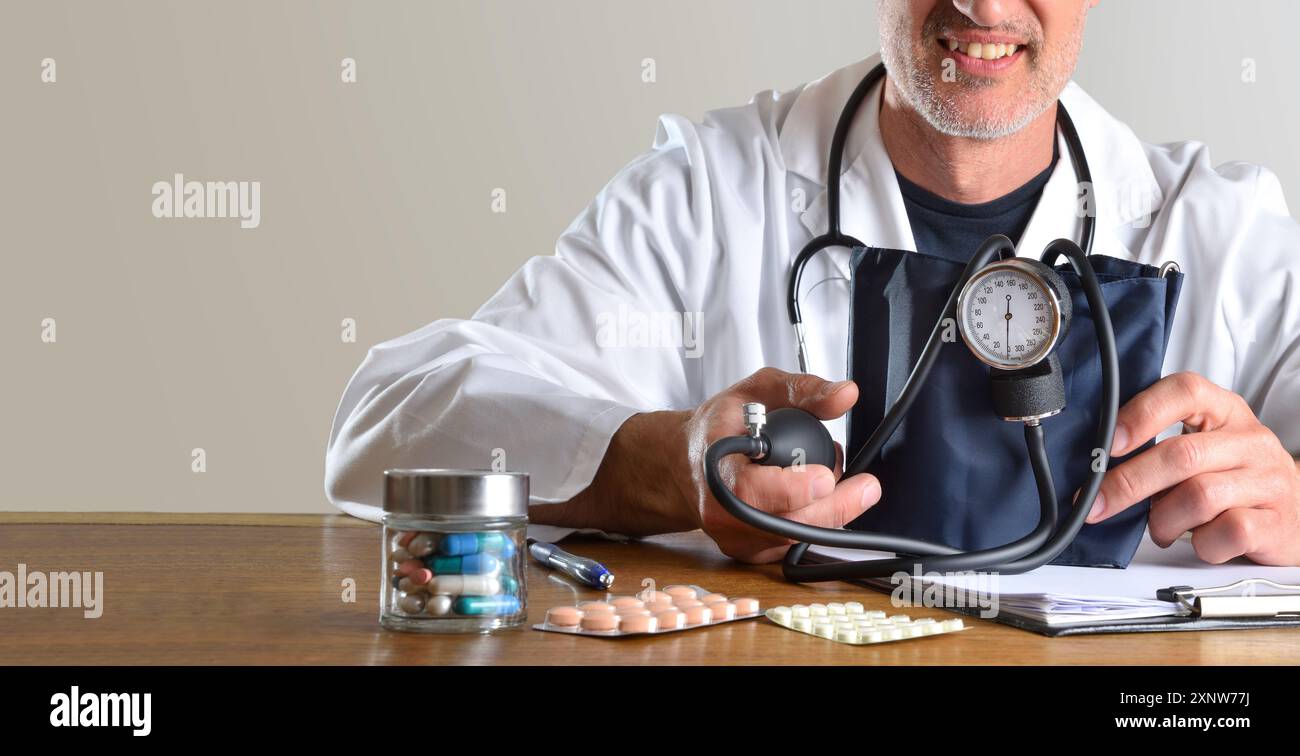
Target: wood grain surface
x=254 y=589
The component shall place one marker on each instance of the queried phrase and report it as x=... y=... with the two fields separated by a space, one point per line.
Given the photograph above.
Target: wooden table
x=268 y=589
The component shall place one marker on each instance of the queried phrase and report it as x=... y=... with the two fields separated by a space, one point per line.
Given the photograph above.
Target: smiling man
x=960 y=142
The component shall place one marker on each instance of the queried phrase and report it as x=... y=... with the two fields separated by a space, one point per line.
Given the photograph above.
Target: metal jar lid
x=457 y=493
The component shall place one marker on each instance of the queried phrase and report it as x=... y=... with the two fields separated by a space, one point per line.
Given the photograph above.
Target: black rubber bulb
x=795 y=436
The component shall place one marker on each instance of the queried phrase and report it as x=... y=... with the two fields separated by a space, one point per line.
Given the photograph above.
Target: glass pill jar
x=453 y=550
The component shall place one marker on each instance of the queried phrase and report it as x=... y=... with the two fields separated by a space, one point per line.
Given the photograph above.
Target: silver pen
x=586 y=571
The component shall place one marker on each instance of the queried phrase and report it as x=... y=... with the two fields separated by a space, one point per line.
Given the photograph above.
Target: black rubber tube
x=1032 y=551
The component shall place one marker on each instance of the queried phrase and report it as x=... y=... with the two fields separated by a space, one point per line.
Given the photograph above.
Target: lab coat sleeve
x=544 y=374
x=1264 y=316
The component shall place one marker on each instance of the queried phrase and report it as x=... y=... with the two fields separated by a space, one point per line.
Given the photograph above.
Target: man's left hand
x=1230 y=482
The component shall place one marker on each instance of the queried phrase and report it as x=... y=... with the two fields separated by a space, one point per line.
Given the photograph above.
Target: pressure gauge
x=1012 y=313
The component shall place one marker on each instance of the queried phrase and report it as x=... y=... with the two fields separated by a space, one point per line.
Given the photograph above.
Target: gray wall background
x=173 y=335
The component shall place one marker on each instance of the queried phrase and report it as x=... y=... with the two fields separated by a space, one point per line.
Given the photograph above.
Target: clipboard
x=1213 y=608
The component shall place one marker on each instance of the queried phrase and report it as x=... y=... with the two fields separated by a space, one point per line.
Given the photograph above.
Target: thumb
x=777 y=389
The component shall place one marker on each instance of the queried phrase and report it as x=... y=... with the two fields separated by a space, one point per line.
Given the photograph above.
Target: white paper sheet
x=1063 y=596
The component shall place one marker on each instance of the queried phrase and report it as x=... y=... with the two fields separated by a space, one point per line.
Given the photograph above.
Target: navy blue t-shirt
x=954 y=231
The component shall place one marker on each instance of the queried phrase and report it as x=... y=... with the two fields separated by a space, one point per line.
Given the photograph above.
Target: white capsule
x=412 y=603
x=466 y=585
x=421 y=545
x=853 y=607
x=439 y=606
x=781 y=615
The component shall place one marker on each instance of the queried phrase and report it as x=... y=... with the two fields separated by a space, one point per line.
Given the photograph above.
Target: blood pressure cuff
x=956 y=473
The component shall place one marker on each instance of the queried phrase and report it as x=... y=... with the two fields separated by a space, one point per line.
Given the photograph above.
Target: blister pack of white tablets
x=650 y=612
x=851 y=623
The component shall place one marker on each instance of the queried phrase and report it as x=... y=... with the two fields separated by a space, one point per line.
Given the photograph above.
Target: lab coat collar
x=1124 y=188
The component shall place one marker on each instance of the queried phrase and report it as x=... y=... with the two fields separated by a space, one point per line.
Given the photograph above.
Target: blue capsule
x=459 y=544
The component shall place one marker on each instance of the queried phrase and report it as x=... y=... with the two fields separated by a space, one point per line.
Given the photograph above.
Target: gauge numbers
x=1010 y=316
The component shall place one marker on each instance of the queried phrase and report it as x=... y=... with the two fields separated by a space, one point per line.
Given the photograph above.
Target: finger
x=1236 y=532
x=777 y=389
x=1200 y=499
x=1182 y=397
x=782 y=490
x=1167 y=464
x=852 y=497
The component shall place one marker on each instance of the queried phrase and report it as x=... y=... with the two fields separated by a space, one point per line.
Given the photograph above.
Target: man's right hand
x=651 y=479
x=810 y=494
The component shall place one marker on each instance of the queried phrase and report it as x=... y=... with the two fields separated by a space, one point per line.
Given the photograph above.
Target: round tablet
x=671 y=619
x=826 y=630
x=846 y=635
x=564 y=616
x=835 y=608
x=709 y=598
x=722 y=610
x=780 y=615
x=853 y=607
x=596 y=607
x=799 y=610
x=745 y=606
x=660 y=606
x=685 y=604
x=638 y=623
x=873 y=636
x=680 y=591
x=817 y=610
x=698 y=614
x=633 y=611
x=802 y=624
x=951 y=625
x=600 y=623
x=625 y=602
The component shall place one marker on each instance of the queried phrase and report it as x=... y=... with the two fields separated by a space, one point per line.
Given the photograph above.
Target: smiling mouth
x=989 y=51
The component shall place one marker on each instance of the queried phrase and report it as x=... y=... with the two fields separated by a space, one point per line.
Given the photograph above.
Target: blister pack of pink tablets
x=650 y=612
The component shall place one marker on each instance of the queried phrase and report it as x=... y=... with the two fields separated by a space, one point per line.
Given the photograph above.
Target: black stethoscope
x=1027 y=386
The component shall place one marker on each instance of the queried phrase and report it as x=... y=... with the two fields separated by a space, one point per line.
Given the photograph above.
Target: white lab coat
x=708 y=222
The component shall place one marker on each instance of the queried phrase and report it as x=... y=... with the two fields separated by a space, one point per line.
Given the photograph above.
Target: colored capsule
x=470 y=564
x=486 y=605
x=509 y=584
x=460 y=544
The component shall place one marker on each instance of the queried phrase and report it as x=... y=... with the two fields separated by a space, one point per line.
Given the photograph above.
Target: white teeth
x=983 y=51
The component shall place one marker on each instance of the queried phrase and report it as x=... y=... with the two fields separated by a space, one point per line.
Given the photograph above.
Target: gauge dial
x=1009 y=314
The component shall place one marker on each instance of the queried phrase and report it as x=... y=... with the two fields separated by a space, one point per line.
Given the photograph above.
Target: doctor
x=606 y=370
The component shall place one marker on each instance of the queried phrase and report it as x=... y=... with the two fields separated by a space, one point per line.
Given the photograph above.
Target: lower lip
x=981 y=67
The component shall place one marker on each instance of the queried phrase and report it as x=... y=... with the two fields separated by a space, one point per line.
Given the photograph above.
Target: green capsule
x=486 y=605
x=509 y=585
